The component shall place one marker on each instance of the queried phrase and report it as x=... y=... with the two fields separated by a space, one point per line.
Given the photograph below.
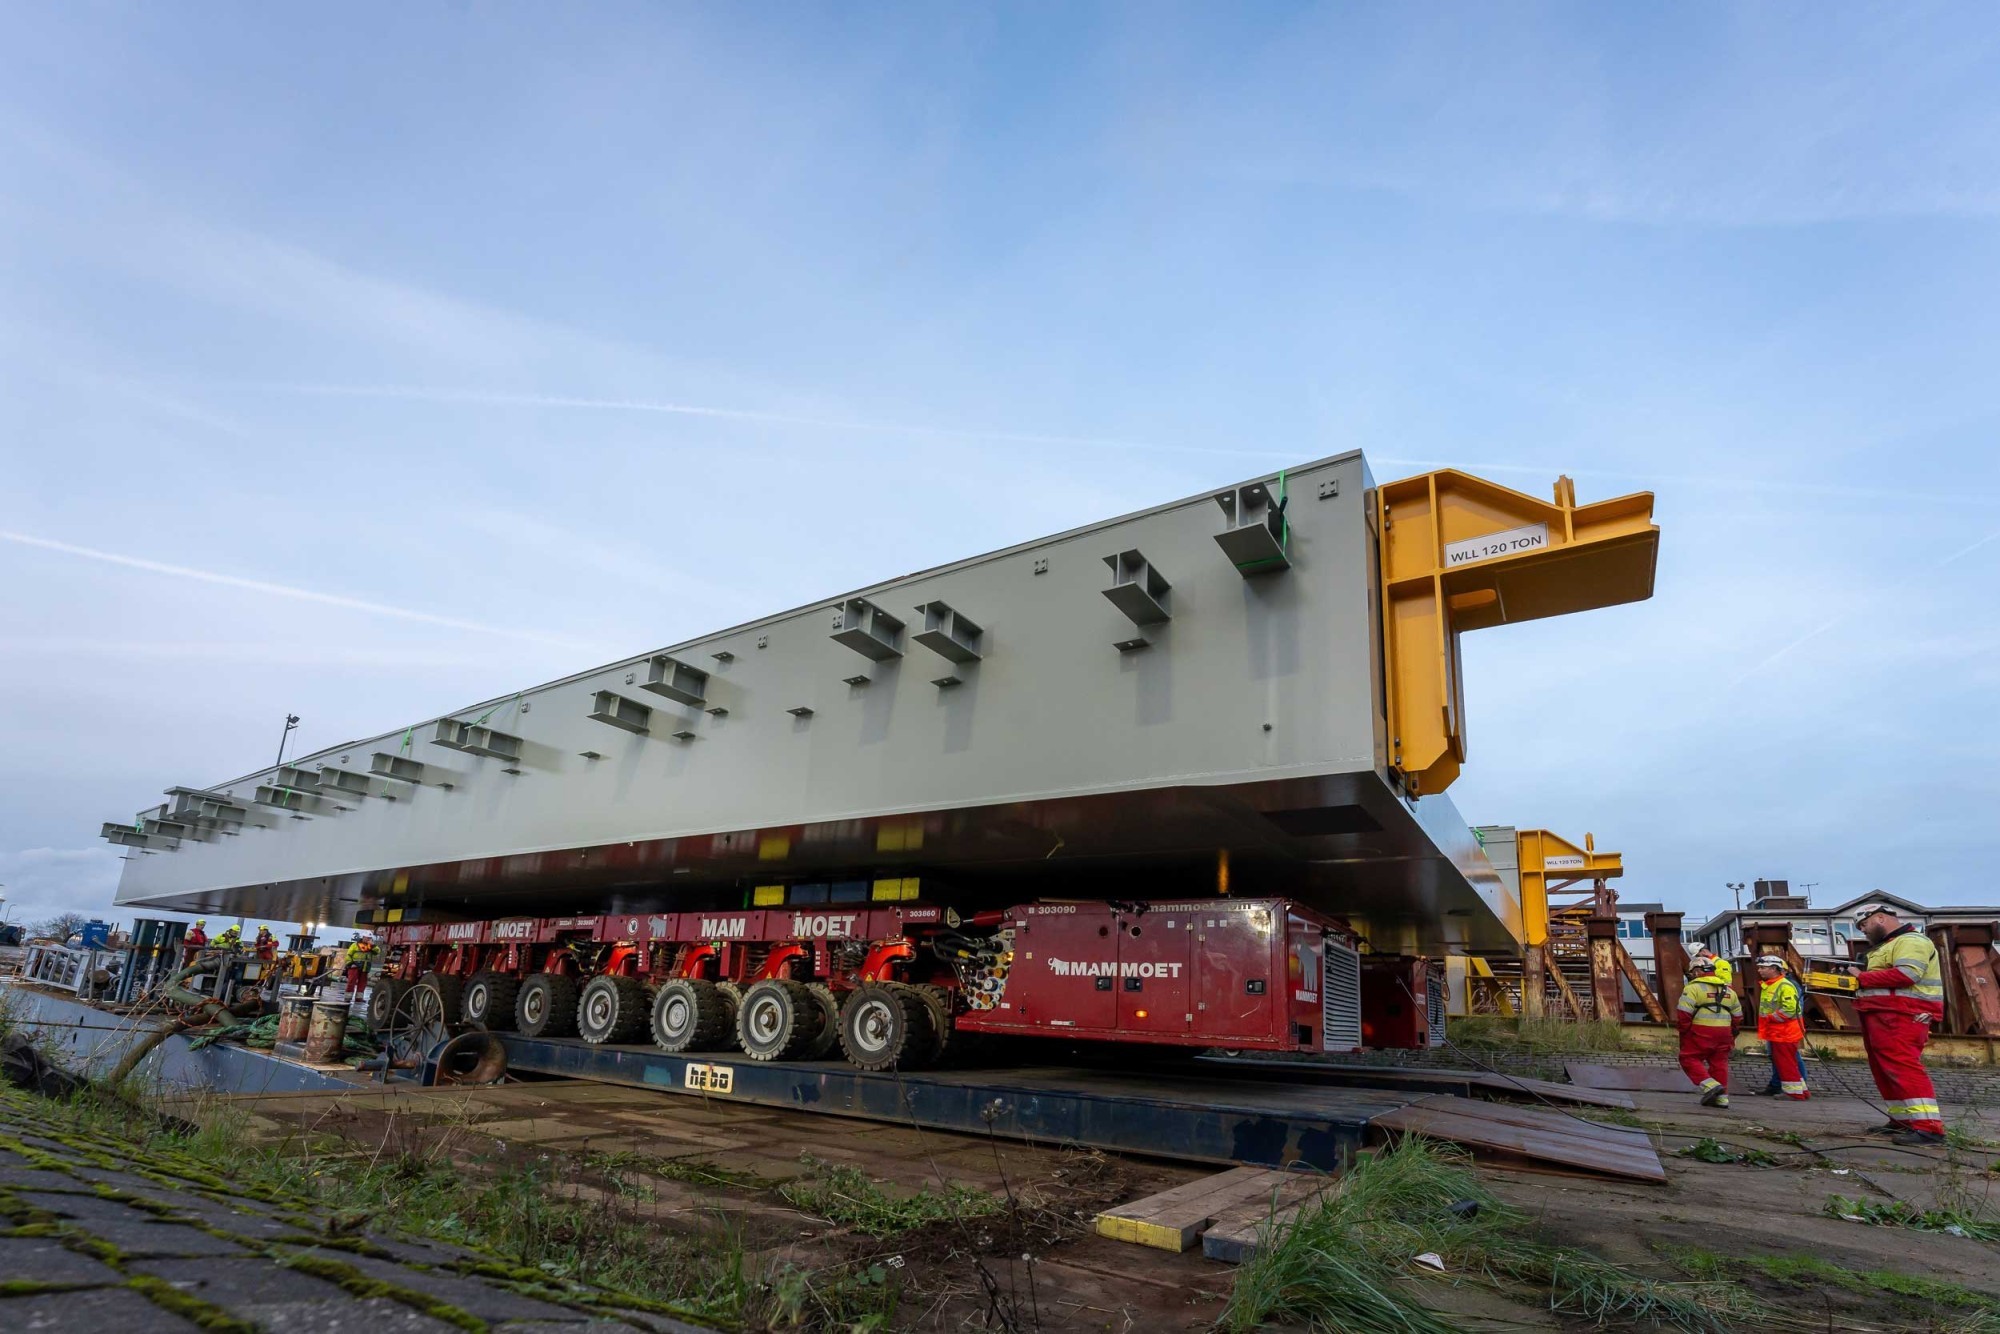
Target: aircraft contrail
x=279 y=590
x=1827 y=625
x=478 y=397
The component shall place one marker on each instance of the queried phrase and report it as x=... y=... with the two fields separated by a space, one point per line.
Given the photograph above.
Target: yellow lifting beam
x=1545 y=860
x=1461 y=553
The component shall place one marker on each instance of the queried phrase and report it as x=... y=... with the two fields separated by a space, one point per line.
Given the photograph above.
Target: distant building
x=1824 y=932
x=1638 y=943
x=1634 y=936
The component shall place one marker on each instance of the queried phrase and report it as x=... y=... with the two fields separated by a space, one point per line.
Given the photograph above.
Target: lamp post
x=291 y=721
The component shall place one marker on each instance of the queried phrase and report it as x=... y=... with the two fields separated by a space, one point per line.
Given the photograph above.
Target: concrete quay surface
x=90 y=1239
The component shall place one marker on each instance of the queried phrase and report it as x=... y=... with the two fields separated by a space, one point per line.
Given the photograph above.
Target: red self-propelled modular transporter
x=900 y=985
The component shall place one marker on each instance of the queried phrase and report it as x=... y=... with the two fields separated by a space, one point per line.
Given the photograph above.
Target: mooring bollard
x=326 y=1035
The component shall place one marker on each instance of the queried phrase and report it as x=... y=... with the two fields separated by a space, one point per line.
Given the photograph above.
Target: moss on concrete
x=28 y=1287
x=188 y=1307
x=353 y=1281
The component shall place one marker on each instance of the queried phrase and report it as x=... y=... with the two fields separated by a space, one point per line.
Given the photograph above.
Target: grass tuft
x=854 y=1298
x=846 y=1195
x=1709 y=1150
x=1346 y=1263
x=1542 y=1037
x=1896 y=1213
x=1809 y=1271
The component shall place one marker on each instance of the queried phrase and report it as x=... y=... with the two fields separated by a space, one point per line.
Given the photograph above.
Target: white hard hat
x=1769 y=961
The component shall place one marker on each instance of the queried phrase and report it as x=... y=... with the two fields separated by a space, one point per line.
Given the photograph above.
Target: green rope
x=480 y=721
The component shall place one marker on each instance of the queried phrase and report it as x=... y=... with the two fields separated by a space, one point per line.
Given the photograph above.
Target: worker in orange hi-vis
x=1781 y=1023
x=1901 y=995
x=1707 y=1017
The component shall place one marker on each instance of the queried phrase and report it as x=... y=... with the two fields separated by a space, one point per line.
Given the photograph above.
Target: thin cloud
x=1773 y=658
x=484 y=398
x=280 y=590
x=238 y=654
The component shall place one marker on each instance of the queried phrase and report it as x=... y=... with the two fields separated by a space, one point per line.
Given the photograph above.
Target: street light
x=291 y=721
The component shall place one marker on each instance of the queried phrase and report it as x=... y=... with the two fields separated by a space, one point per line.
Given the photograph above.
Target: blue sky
x=478 y=343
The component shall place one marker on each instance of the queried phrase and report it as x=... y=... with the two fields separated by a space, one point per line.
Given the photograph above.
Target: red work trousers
x=1791 y=1079
x=1895 y=1042
x=357 y=981
x=1705 y=1054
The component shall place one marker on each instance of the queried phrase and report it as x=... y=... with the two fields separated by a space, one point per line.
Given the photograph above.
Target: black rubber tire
x=938 y=1001
x=829 y=1029
x=732 y=996
x=886 y=1026
x=546 y=1007
x=451 y=993
x=778 y=1020
x=383 y=994
x=690 y=1014
x=612 y=1009
x=489 y=1001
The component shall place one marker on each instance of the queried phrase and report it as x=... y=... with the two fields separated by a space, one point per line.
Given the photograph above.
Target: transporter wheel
x=612 y=1009
x=489 y=1001
x=382 y=997
x=885 y=1026
x=690 y=1014
x=450 y=991
x=546 y=1007
x=938 y=1001
x=779 y=1019
x=732 y=996
x=829 y=1027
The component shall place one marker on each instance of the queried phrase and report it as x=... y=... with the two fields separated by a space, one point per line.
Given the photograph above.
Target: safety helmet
x=1701 y=963
x=1769 y=961
x=201 y=921
x=1870 y=910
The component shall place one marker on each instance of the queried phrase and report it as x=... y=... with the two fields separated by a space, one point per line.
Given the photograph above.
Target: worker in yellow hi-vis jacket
x=1707 y=1017
x=1901 y=996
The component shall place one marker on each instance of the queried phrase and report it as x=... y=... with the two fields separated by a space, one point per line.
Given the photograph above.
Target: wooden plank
x=1234 y=1235
x=1173 y=1219
x=1538 y=1136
